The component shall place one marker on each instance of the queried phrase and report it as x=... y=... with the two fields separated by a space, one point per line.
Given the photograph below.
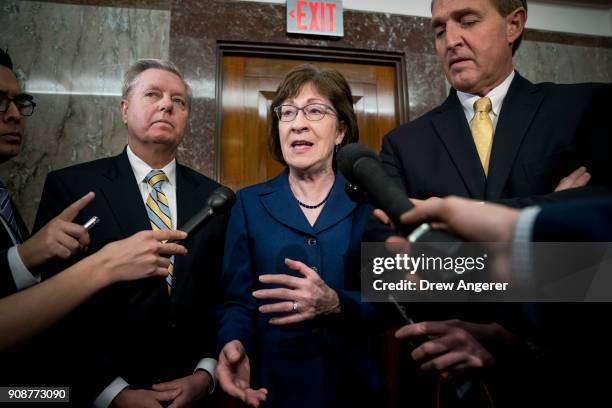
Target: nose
x=300 y=122
x=453 y=36
x=12 y=114
x=166 y=104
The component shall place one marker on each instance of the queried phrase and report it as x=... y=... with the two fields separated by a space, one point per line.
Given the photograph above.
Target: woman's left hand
x=303 y=298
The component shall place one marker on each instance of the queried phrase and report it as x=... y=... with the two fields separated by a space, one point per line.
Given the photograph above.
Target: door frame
x=248 y=49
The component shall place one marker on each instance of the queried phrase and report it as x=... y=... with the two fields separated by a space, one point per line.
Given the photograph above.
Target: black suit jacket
x=7 y=284
x=544 y=132
x=16 y=363
x=134 y=329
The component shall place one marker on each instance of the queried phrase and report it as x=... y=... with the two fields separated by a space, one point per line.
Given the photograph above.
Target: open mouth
x=301 y=145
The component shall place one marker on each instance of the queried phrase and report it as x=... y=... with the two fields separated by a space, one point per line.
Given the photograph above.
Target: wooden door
x=248 y=87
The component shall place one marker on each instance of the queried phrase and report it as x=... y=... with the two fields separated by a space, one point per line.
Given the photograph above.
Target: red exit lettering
x=321 y=15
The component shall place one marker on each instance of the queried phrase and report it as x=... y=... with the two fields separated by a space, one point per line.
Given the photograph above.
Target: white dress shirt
x=22 y=277
x=141 y=169
x=497 y=96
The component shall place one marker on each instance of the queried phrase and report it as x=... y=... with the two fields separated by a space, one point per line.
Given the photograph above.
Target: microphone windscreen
x=349 y=154
x=221 y=199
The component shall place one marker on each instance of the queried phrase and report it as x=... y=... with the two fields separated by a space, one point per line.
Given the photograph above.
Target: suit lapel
x=23 y=229
x=282 y=206
x=452 y=128
x=337 y=207
x=188 y=201
x=518 y=110
x=123 y=196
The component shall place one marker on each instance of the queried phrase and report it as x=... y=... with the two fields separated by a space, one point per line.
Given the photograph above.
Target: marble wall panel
x=72 y=58
x=553 y=62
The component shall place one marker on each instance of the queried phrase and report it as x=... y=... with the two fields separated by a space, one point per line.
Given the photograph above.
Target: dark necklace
x=312 y=207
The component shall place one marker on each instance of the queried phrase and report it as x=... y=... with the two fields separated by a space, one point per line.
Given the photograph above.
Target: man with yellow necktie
x=496 y=137
x=149 y=342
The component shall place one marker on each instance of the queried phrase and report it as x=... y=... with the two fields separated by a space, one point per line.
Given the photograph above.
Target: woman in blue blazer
x=292 y=309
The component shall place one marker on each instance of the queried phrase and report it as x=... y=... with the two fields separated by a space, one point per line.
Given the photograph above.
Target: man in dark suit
x=21 y=254
x=496 y=137
x=152 y=340
x=540 y=132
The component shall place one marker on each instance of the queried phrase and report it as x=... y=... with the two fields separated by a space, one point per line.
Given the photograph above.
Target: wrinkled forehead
x=8 y=82
x=161 y=79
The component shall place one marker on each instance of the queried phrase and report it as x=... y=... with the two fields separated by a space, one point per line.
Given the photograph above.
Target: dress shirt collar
x=496 y=95
x=141 y=169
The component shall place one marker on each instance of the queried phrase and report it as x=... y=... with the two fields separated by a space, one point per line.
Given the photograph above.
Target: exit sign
x=322 y=17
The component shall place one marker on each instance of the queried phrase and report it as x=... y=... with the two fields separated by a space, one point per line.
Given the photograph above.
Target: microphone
x=362 y=167
x=220 y=201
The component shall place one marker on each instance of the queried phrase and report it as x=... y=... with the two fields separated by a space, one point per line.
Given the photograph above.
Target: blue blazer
x=587 y=220
x=317 y=363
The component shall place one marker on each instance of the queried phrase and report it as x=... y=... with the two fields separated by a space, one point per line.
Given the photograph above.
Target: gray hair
x=140 y=66
x=505 y=7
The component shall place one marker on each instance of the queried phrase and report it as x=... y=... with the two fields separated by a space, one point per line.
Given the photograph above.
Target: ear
x=123 y=106
x=340 y=133
x=515 y=24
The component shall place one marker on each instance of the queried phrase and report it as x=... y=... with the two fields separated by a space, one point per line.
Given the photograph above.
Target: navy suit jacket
x=327 y=361
x=134 y=329
x=588 y=220
x=575 y=332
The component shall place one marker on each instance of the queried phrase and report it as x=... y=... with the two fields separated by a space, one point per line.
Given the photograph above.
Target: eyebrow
x=308 y=101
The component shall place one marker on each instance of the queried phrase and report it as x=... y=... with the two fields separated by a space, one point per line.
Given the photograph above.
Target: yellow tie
x=159 y=212
x=482 y=131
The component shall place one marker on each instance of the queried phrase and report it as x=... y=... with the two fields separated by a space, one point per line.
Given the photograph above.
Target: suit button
x=312 y=241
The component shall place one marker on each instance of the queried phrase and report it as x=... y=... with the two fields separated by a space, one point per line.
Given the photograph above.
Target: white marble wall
x=72 y=59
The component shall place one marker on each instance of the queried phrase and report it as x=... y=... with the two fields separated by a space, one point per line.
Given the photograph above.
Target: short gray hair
x=505 y=7
x=140 y=66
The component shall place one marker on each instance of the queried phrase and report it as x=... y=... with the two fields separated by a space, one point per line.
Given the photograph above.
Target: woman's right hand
x=234 y=374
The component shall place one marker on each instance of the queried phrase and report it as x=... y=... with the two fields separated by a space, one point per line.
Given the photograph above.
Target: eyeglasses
x=24 y=103
x=313 y=111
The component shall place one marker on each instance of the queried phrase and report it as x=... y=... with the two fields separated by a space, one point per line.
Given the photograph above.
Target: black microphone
x=362 y=167
x=218 y=202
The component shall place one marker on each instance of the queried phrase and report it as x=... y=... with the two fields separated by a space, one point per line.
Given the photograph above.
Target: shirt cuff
x=209 y=365
x=22 y=277
x=108 y=395
x=524 y=225
x=522 y=257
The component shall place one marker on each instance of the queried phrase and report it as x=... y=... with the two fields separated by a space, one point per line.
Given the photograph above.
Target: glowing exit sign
x=322 y=17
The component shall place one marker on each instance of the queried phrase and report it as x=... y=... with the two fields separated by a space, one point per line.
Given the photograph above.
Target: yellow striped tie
x=159 y=212
x=482 y=131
